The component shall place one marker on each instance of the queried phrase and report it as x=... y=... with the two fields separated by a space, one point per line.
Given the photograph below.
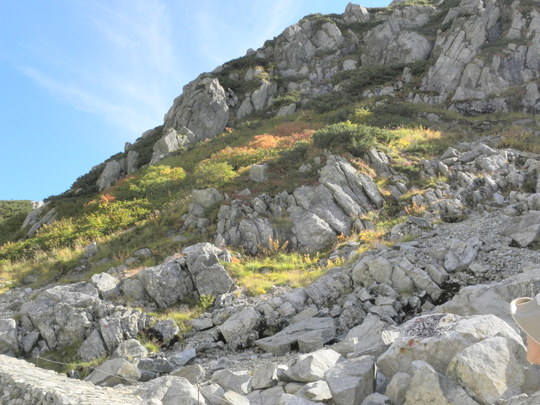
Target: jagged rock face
x=464 y=71
x=481 y=57
x=113 y=171
x=170 y=142
x=394 y=41
x=202 y=109
x=310 y=218
x=38 y=217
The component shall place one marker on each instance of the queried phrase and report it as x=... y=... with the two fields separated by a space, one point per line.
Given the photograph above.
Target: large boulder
x=166 y=283
x=311 y=367
x=8 y=337
x=308 y=334
x=351 y=381
x=427 y=386
x=437 y=338
x=112 y=171
x=62 y=314
x=491 y=369
x=207 y=198
x=312 y=232
x=319 y=201
x=237 y=381
x=241 y=328
x=171 y=390
x=207 y=273
x=170 y=142
x=93 y=347
x=114 y=372
x=355 y=13
x=202 y=109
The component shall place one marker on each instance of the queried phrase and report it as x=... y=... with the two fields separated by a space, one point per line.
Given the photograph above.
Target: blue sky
x=79 y=78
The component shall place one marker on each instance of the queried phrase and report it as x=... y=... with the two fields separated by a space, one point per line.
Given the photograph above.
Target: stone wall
x=21 y=383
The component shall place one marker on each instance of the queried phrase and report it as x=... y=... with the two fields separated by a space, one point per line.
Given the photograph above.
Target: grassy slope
x=146 y=208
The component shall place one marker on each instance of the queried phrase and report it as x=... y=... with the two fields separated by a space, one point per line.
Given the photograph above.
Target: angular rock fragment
x=304 y=335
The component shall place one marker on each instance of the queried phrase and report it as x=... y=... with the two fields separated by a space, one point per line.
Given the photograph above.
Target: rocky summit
x=339 y=217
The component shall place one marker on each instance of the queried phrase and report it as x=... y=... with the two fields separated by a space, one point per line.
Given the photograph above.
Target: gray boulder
x=62 y=314
x=306 y=334
x=494 y=299
x=491 y=369
x=315 y=391
x=319 y=201
x=369 y=336
x=166 y=283
x=289 y=399
x=286 y=110
x=194 y=373
x=207 y=198
x=112 y=171
x=240 y=329
x=93 y=347
x=209 y=276
x=130 y=349
x=355 y=13
x=40 y=216
x=105 y=284
x=8 y=337
x=185 y=356
x=132 y=161
x=170 y=142
x=213 y=394
x=397 y=387
x=231 y=397
x=171 y=390
x=165 y=330
x=237 y=381
x=258 y=173
x=351 y=381
x=265 y=376
x=311 y=367
x=312 y=232
x=437 y=338
x=202 y=109
x=114 y=372
x=376 y=399
x=429 y=387
x=257 y=100
x=122 y=324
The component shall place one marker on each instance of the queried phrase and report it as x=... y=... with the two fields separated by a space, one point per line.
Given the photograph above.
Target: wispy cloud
x=124 y=72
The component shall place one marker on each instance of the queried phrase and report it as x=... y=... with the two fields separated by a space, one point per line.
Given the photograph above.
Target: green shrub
x=213 y=174
x=12 y=208
x=12 y=215
x=294 y=156
x=353 y=138
x=329 y=102
x=286 y=99
x=390 y=114
x=153 y=182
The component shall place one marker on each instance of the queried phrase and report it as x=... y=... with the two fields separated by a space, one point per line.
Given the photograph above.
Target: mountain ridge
x=308 y=225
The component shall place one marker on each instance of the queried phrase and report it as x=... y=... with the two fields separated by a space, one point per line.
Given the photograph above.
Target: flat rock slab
x=307 y=335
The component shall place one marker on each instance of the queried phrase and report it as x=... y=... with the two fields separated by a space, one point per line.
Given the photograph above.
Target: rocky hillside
x=341 y=216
